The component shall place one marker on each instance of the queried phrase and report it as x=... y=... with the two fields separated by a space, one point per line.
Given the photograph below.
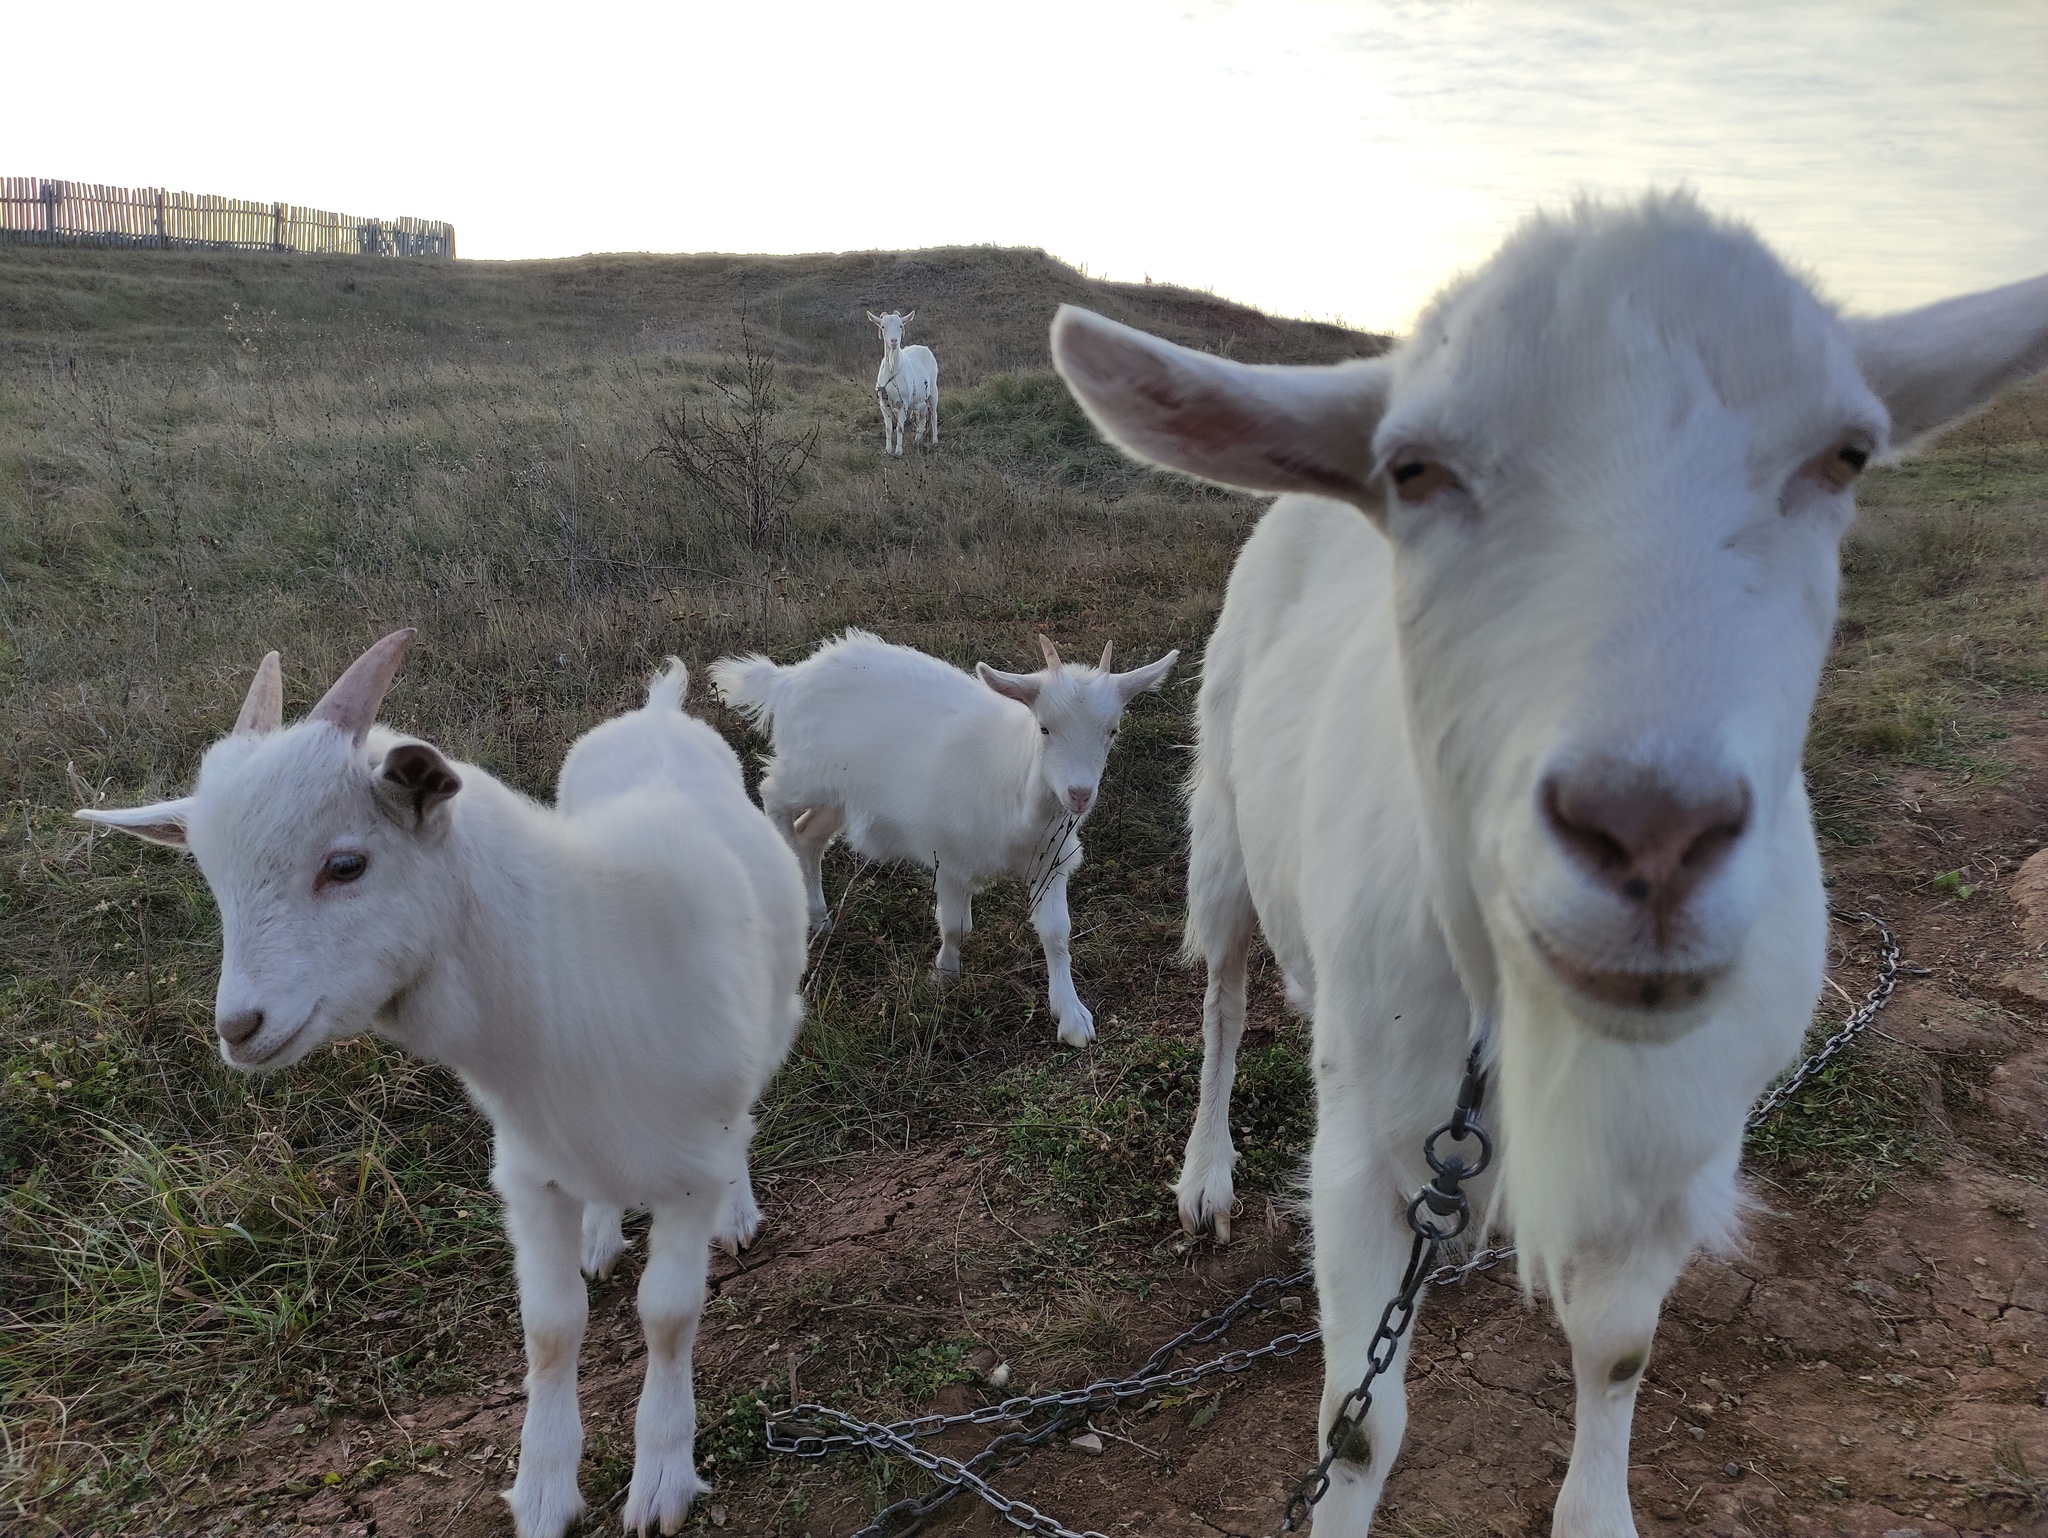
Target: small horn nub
x=1052 y=652
x=263 y=709
x=1107 y=648
x=353 y=701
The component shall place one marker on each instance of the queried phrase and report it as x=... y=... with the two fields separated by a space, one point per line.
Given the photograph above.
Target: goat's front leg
x=888 y=426
x=1609 y=1312
x=665 y=1478
x=1055 y=932
x=1205 y=1190
x=1362 y=1244
x=546 y=1227
x=956 y=921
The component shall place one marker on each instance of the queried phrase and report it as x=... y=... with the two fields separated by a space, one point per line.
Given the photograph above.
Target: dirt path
x=1872 y=1367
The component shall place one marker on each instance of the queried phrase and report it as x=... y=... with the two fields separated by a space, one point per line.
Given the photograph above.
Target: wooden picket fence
x=37 y=211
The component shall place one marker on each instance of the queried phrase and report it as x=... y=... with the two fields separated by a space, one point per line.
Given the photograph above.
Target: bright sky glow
x=1314 y=157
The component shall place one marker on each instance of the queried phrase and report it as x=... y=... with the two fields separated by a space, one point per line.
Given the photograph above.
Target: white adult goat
x=1515 y=755
x=913 y=760
x=615 y=980
x=906 y=385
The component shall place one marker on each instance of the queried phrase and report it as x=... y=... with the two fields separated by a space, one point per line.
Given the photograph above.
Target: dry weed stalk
x=732 y=457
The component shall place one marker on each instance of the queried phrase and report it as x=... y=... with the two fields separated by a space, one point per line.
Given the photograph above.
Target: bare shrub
x=731 y=455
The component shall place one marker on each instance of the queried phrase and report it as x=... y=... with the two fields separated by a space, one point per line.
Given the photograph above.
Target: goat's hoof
x=945 y=976
x=543 y=1509
x=662 y=1491
x=821 y=926
x=1077 y=1028
x=1207 y=1202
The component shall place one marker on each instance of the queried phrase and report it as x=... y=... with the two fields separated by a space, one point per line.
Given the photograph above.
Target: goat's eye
x=1417 y=480
x=348 y=865
x=1045 y=731
x=1842 y=464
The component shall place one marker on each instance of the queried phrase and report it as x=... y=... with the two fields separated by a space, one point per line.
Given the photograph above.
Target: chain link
x=1070 y=1407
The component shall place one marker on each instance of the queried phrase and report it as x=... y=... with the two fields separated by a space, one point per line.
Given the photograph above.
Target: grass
x=202 y=457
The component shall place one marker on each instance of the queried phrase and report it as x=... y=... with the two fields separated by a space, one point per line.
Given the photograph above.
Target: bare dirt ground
x=1869 y=1365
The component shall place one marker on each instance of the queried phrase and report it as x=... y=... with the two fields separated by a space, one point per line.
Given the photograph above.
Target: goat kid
x=1500 y=735
x=614 y=979
x=913 y=760
x=906 y=385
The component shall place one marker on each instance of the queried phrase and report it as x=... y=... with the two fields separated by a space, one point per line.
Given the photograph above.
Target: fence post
x=53 y=195
x=277 y=227
x=160 y=218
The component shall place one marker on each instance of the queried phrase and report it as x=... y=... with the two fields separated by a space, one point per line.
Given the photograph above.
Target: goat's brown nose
x=236 y=1029
x=1642 y=833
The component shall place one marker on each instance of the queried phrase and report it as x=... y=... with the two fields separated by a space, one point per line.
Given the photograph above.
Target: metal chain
x=1880 y=993
x=1439 y=1213
x=1441 y=1198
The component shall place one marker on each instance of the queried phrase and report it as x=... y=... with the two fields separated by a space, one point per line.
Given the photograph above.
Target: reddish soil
x=1874 y=1368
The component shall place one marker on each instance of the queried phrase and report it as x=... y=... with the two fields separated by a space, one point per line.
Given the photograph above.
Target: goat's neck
x=483 y=1005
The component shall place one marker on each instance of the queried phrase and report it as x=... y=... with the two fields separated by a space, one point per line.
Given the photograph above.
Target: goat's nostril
x=1079 y=797
x=1649 y=836
x=238 y=1028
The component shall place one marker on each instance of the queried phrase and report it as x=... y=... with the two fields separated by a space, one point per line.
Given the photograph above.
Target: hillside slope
x=983 y=309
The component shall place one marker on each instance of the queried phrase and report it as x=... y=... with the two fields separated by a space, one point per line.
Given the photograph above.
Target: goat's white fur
x=614 y=978
x=1624 y=436
x=914 y=760
x=906 y=385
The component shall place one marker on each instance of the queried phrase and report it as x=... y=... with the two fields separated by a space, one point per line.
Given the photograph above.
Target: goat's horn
x=352 y=703
x=1107 y=648
x=263 y=709
x=1052 y=652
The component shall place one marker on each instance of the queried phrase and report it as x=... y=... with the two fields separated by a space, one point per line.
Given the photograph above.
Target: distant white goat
x=906 y=385
x=615 y=981
x=913 y=760
x=1502 y=743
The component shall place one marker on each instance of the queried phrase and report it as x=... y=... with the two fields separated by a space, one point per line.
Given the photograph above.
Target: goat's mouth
x=266 y=1053
x=1663 y=990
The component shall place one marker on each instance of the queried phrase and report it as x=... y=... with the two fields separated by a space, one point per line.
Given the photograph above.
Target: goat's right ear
x=1260 y=427
x=414 y=780
x=163 y=823
x=1021 y=687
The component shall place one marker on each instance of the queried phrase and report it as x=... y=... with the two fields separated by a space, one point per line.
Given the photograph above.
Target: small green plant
x=1951 y=884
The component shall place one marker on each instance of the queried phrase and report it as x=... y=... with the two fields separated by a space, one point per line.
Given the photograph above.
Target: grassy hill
x=203 y=457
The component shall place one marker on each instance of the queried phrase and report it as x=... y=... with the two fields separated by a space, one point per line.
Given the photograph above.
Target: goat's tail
x=750 y=684
x=669 y=686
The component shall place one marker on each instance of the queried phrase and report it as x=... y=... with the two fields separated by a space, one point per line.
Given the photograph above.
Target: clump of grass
x=1855 y=1128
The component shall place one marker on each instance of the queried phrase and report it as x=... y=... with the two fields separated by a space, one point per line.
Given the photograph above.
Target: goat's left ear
x=1261 y=427
x=163 y=823
x=1021 y=687
x=414 y=780
x=1134 y=683
x=1932 y=365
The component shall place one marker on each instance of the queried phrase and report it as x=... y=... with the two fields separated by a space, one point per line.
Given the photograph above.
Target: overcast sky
x=1331 y=158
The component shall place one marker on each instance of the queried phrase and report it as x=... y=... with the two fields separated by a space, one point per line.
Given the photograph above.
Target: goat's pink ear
x=1933 y=365
x=414 y=780
x=263 y=709
x=1021 y=687
x=352 y=702
x=163 y=823
x=1050 y=652
x=1134 y=683
x=1261 y=427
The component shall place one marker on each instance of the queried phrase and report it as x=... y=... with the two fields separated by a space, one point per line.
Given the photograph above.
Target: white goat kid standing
x=615 y=981
x=913 y=760
x=1516 y=754
x=906 y=385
